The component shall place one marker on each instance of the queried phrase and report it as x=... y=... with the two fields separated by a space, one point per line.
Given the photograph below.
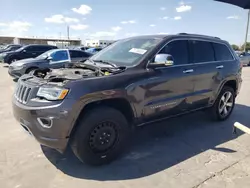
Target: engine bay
x=75 y=72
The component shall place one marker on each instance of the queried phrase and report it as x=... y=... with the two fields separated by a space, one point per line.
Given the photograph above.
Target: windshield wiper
x=105 y=62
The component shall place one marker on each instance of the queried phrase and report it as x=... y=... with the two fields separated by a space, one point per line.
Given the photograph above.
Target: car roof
x=182 y=35
x=76 y=50
x=40 y=45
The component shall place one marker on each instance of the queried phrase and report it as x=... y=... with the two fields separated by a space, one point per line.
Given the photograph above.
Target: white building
x=97 y=42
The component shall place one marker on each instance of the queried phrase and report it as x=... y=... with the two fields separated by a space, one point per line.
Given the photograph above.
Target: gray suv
x=136 y=81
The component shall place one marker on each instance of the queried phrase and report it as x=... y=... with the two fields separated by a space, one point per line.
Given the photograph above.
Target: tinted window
x=29 y=48
x=202 y=51
x=75 y=54
x=179 y=50
x=37 y=48
x=45 y=48
x=222 y=52
x=84 y=54
x=61 y=55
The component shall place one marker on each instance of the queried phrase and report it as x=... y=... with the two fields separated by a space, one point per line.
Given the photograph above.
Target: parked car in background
x=93 y=50
x=244 y=58
x=29 y=51
x=83 y=48
x=11 y=47
x=57 y=58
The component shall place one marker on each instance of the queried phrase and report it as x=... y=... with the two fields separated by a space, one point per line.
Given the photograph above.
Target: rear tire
x=101 y=136
x=224 y=104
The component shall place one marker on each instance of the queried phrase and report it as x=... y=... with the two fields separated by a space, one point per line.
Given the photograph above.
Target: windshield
x=45 y=54
x=20 y=49
x=126 y=52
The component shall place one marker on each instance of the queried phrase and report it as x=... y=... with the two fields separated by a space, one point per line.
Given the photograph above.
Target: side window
x=58 y=56
x=83 y=54
x=74 y=54
x=45 y=48
x=29 y=49
x=222 y=52
x=202 y=51
x=178 y=50
x=37 y=48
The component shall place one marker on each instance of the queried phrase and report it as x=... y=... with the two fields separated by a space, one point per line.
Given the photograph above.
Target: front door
x=29 y=52
x=168 y=89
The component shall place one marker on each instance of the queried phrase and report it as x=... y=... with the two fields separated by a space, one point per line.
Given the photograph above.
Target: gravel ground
x=185 y=152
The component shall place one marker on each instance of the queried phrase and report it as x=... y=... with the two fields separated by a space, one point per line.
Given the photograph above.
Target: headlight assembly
x=52 y=93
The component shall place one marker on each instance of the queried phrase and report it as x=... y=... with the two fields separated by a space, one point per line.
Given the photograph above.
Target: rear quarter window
x=222 y=52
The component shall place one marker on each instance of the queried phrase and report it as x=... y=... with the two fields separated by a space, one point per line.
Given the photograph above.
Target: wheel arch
x=120 y=104
x=30 y=68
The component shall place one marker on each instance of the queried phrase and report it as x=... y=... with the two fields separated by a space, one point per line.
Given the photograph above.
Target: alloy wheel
x=226 y=104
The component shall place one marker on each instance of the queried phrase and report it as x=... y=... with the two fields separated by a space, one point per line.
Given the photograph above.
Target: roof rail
x=198 y=35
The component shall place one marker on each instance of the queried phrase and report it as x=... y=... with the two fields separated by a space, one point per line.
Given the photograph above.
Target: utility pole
x=248 y=17
x=68 y=32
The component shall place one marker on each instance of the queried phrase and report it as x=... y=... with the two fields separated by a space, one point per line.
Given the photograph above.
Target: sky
x=116 y=19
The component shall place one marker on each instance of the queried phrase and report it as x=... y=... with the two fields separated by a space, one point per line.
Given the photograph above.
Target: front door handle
x=188 y=71
x=220 y=67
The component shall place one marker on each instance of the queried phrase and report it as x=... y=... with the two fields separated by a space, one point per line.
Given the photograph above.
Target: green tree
x=235 y=47
x=247 y=47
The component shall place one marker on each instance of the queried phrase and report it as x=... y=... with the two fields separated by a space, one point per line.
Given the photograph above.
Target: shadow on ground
x=157 y=147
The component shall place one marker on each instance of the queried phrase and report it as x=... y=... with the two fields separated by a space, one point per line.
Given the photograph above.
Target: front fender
x=95 y=97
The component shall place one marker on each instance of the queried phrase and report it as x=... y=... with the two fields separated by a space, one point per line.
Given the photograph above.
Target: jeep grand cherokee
x=93 y=106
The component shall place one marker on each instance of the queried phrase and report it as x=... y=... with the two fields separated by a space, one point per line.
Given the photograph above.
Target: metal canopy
x=241 y=3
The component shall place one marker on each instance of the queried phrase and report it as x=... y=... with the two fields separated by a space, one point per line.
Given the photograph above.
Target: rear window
x=222 y=53
x=202 y=51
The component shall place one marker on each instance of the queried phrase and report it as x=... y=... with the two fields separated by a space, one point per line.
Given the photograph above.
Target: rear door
x=225 y=63
x=77 y=56
x=207 y=76
x=60 y=59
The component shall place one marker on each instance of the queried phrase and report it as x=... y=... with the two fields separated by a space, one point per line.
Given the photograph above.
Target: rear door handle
x=188 y=71
x=220 y=67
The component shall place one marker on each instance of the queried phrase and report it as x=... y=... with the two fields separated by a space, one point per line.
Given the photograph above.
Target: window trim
x=189 y=39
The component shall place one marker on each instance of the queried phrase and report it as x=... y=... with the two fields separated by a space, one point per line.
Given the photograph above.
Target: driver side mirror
x=24 y=51
x=162 y=60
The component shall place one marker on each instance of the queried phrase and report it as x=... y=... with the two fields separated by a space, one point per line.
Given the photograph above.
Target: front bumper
x=1 y=59
x=14 y=73
x=57 y=135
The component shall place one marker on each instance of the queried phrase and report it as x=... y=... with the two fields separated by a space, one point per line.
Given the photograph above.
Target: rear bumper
x=56 y=134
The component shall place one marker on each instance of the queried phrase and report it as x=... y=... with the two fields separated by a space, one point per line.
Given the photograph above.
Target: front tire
x=224 y=104
x=100 y=136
